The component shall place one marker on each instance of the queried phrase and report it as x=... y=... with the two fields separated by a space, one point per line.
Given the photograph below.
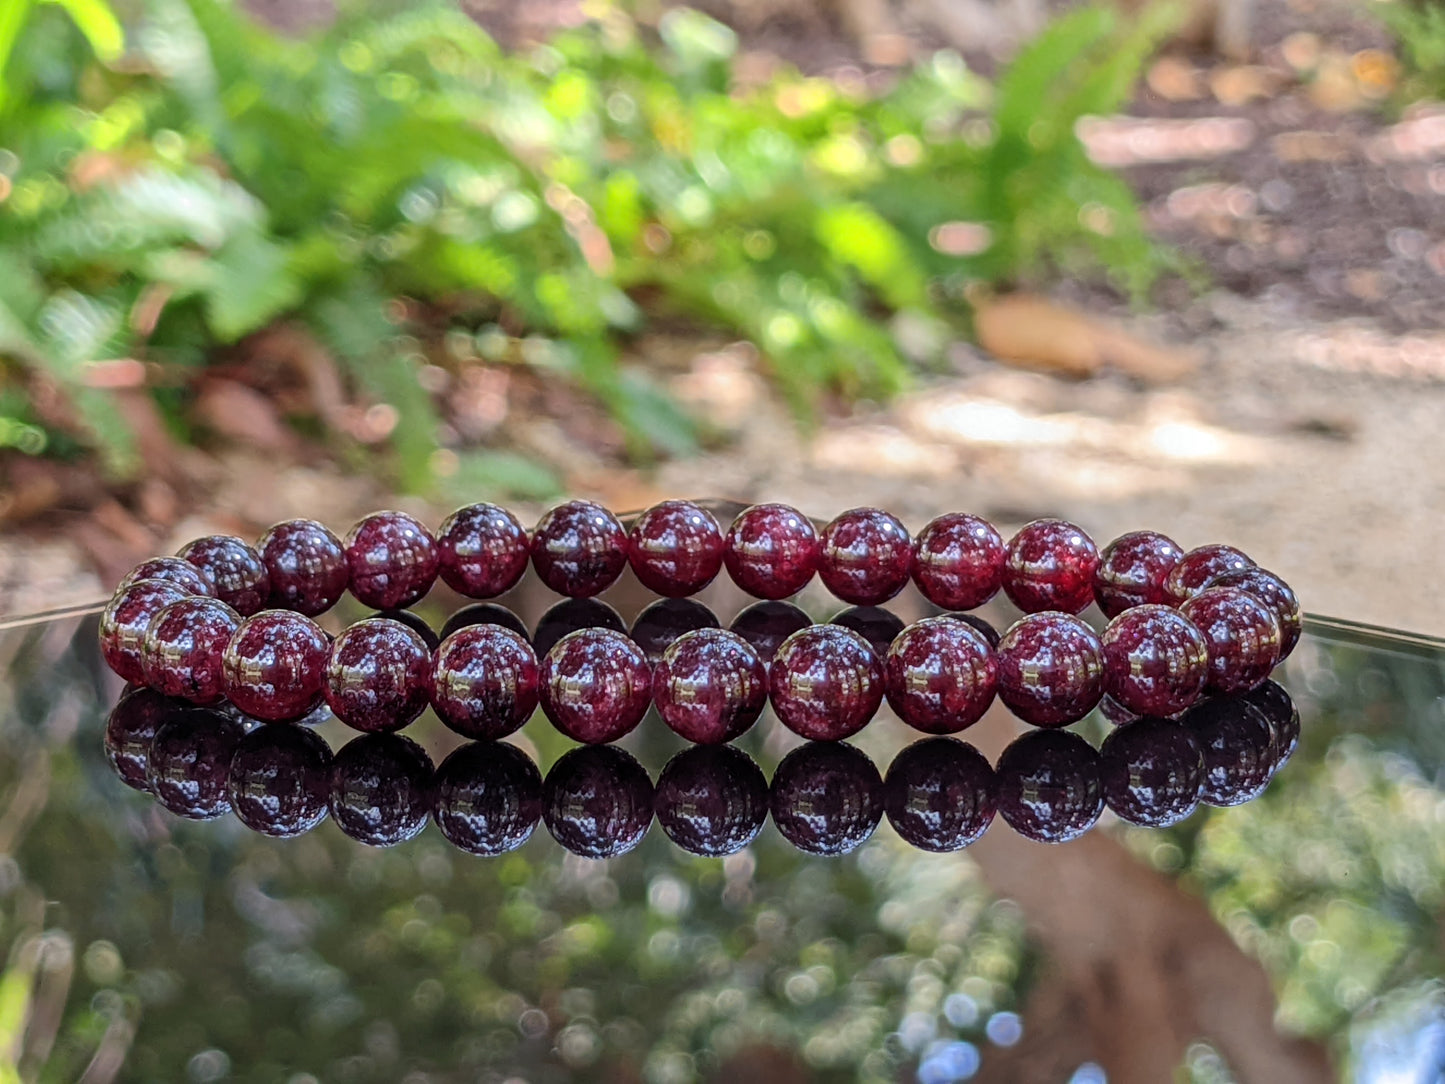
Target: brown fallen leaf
x=244 y=415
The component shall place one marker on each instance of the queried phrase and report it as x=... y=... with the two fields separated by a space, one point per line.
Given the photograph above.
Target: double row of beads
x=197 y=626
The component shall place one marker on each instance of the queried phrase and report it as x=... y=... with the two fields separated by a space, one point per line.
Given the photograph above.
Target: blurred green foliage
x=1419 y=26
x=213 y=177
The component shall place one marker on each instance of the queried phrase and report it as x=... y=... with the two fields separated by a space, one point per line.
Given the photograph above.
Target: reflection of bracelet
x=825 y=798
x=1182 y=624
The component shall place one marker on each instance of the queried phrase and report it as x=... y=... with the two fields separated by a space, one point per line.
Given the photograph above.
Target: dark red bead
x=867 y=556
x=1050 y=669
x=771 y=551
x=411 y=620
x=675 y=548
x=878 y=626
x=482 y=551
x=124 y=621
x=572 y=614
x=579 y=549
x=826 y=798
x=183 y=645
x=189 y=762
x=825 y=683
x=661 y=623
x=485 y=613
x=1196 y=568
x=939 y=676
x=595 y=685
x=1238 y=746
x=597 y=801
x=236 y=572
x=710 y=686
x=1242 y=634
x=767 y=624
x=275 y=665
x=393 y=560
x=1155 y=660
x=1132 y=570
x=129 y=731
x=1274 y=593
x=485 y=681
x=939 y=794
x=381 y=789
x=1048 y=786
x=980 y=626
x=176 y=570
x=1152 y=772
x=1050 y=566
x=279 y=780
x=711 y=800
x=958 y=561
x=488 y=798
x=1283 y=717
x=306 y=564
x=378 y=676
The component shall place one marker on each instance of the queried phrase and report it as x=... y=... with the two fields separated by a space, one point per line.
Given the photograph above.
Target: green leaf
x=250 y=284
x=99 y=25
x=499 y=475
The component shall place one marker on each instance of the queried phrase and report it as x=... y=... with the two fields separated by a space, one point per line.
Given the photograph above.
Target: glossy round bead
x=939 y=794
x=176 y=570
x=1048 y=786
x=1155 y=660
x=381 y=789
x=825 y=683
x=279 y=780
x=980 y=626
x=711 y=800
x=1279 y=710
x=939 y=676
x=482 y=551
x=767 y=624
x=1238 y=747
x=378 y=676
x=710 y=686
x=485 y=613
x=1196 y=568
x=1050 y=566
x=878 y=626
x=275 y=665
x=1274 y=593
x=867 y=556
x=572 y=614
x=661 y=623
x=595 y=685
x=124 y=621
x=1050 y=669
x=306 y=564
x=237 y=575
x=129 y=730
x=579 y=549
x=1132 y=570
x=826 y=798
x=1242 y=634
x=958 y=561
x=675 y=548
x=597 y=801
x=393 y=560
x=413 y=621
x=1152 y=772
x=189 y=761
x=183 y=645
x=488 y=798
x=771 y=551
x=485 y=682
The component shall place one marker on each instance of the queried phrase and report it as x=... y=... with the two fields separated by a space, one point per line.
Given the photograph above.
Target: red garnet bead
x=485 y=681
x=124 y=621
x=771 y=551
x=660 y=624
x=711 y=800
x=938 y=794
x=1132 y=570
x=306 y=564
x=381 y=789
x=488 y=798
x=1050 y=669
x=1197 y=567
x=237 y=574
x=176 y=570
x=1155 y=660
x=595 y=685
x=1274 y=593
x=878 y=626
x=572 y=614
x=279 y=780
x=597 y=801
x=866 y=556
x=482 y=551
x=767 y=624
x=378 y=677
x=275 y=665
x=826 y=797
x=1050 y=566
x=129 y=731
x=710 y=686
x=579 y=549
x=958 y=561
x=1152 y=771
x=181 y=653
x=393 y=559
x=1239 y=747
x=939 y=676
x=190 y=760
x=1242 y=634
x=826 y=683
x=675 y=548
x=1048 y=786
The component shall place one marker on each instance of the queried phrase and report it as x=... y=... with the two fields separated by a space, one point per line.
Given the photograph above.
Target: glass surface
x=145 y=947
